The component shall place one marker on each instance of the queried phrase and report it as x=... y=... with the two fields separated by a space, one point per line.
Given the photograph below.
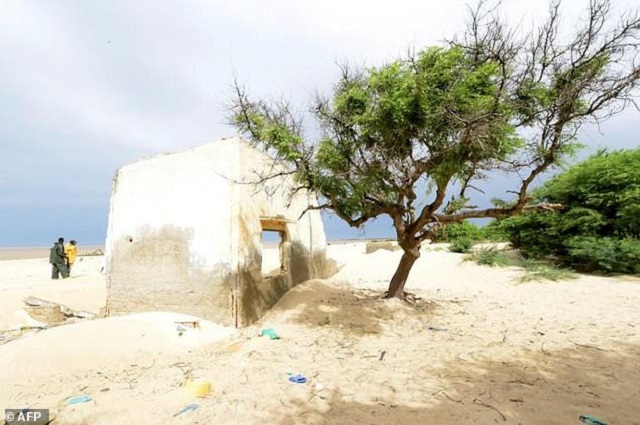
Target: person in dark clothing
x=58 y=260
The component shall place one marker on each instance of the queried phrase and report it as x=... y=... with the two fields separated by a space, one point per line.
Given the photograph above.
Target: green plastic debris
x=270 y=333
x=592 y=420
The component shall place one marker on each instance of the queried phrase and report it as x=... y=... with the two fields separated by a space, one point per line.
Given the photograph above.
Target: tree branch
x=494 y=212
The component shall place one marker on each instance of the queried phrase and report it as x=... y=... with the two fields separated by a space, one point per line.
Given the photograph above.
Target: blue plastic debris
x=187 y=408
x=80 y=399
x=298 y=379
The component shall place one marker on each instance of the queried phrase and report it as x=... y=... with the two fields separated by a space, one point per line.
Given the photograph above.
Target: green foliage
x=494 y=232
x=534 y=270
x=461 y=235
x=533 y=234
x=456 y=231
x=490 y=256
x=604 y=254
x=541 y=270
x=442 y=103
x=607 y=187
x=599 y=228
x=461 y=245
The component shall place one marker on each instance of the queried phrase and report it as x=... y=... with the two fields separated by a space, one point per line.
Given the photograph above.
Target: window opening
x=272 y=247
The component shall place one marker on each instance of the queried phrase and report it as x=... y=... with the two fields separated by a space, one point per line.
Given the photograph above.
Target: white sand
x=504 y=352
x=102 y=343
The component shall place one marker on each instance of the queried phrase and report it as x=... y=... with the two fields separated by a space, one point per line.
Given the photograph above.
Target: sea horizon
x=42 y=251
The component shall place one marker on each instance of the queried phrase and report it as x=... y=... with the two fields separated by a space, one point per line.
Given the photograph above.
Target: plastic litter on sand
x=187 y=408
x=298 y=379
x=80 y=399
x=270 y=333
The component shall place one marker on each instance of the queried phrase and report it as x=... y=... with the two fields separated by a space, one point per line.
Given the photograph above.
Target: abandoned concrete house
x=186 y=231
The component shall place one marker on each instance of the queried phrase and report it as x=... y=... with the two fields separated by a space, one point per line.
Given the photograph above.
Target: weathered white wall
x=170 y=243
x=184 y=234
x=190 y=190
x=272 y=199
x=305 y=250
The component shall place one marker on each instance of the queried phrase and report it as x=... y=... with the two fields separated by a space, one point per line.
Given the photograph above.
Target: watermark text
x=26 y=416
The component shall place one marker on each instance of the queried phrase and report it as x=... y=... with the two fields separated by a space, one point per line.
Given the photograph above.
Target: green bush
x=536 y=270
x=599 y=227
x=490 y=257
x=494 y=232
x=604 y=254
x=463 y=230
x=461 y=245
x=534 y=234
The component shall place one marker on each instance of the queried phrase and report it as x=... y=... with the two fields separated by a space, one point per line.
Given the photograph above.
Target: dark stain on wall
x=257 y=295
x=153 y=272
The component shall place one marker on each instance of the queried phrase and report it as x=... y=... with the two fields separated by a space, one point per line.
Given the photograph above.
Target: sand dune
x=476 y=348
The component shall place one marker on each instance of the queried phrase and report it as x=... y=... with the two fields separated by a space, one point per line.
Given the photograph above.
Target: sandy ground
x=476 y=348
x=84 y=290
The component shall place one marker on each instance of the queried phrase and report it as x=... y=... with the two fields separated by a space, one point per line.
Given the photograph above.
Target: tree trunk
x=396 y=286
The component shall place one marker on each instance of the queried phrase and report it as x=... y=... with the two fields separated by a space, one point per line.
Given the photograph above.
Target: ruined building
x=185 y=235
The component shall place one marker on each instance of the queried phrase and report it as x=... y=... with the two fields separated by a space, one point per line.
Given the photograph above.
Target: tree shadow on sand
x=352 y=312
x=544 y=387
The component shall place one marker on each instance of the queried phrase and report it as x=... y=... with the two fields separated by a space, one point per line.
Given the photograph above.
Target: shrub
x=604 y=254
x=540 y=270
x=463 y=230
x=534 y=234
x=495 y=232
x=462 y=245
x=534 y=270
x=490 y=257
x=599 y=228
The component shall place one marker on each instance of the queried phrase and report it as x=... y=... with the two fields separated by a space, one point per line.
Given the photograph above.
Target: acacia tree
x=394 y=140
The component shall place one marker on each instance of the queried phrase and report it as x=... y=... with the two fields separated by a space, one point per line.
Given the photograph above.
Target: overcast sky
x=89 y=86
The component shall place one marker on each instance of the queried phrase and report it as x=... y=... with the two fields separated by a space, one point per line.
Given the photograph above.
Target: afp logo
x=26 y=416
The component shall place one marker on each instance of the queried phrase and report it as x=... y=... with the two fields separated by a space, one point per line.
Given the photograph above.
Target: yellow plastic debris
x=233 y=347
x=198 y=388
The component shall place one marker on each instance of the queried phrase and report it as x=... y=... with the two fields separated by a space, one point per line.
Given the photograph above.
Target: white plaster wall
x=271 y=199
x=184 y=190
x=196 y=234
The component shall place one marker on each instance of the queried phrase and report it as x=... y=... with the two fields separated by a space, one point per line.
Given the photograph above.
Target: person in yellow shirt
x=70 y=251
